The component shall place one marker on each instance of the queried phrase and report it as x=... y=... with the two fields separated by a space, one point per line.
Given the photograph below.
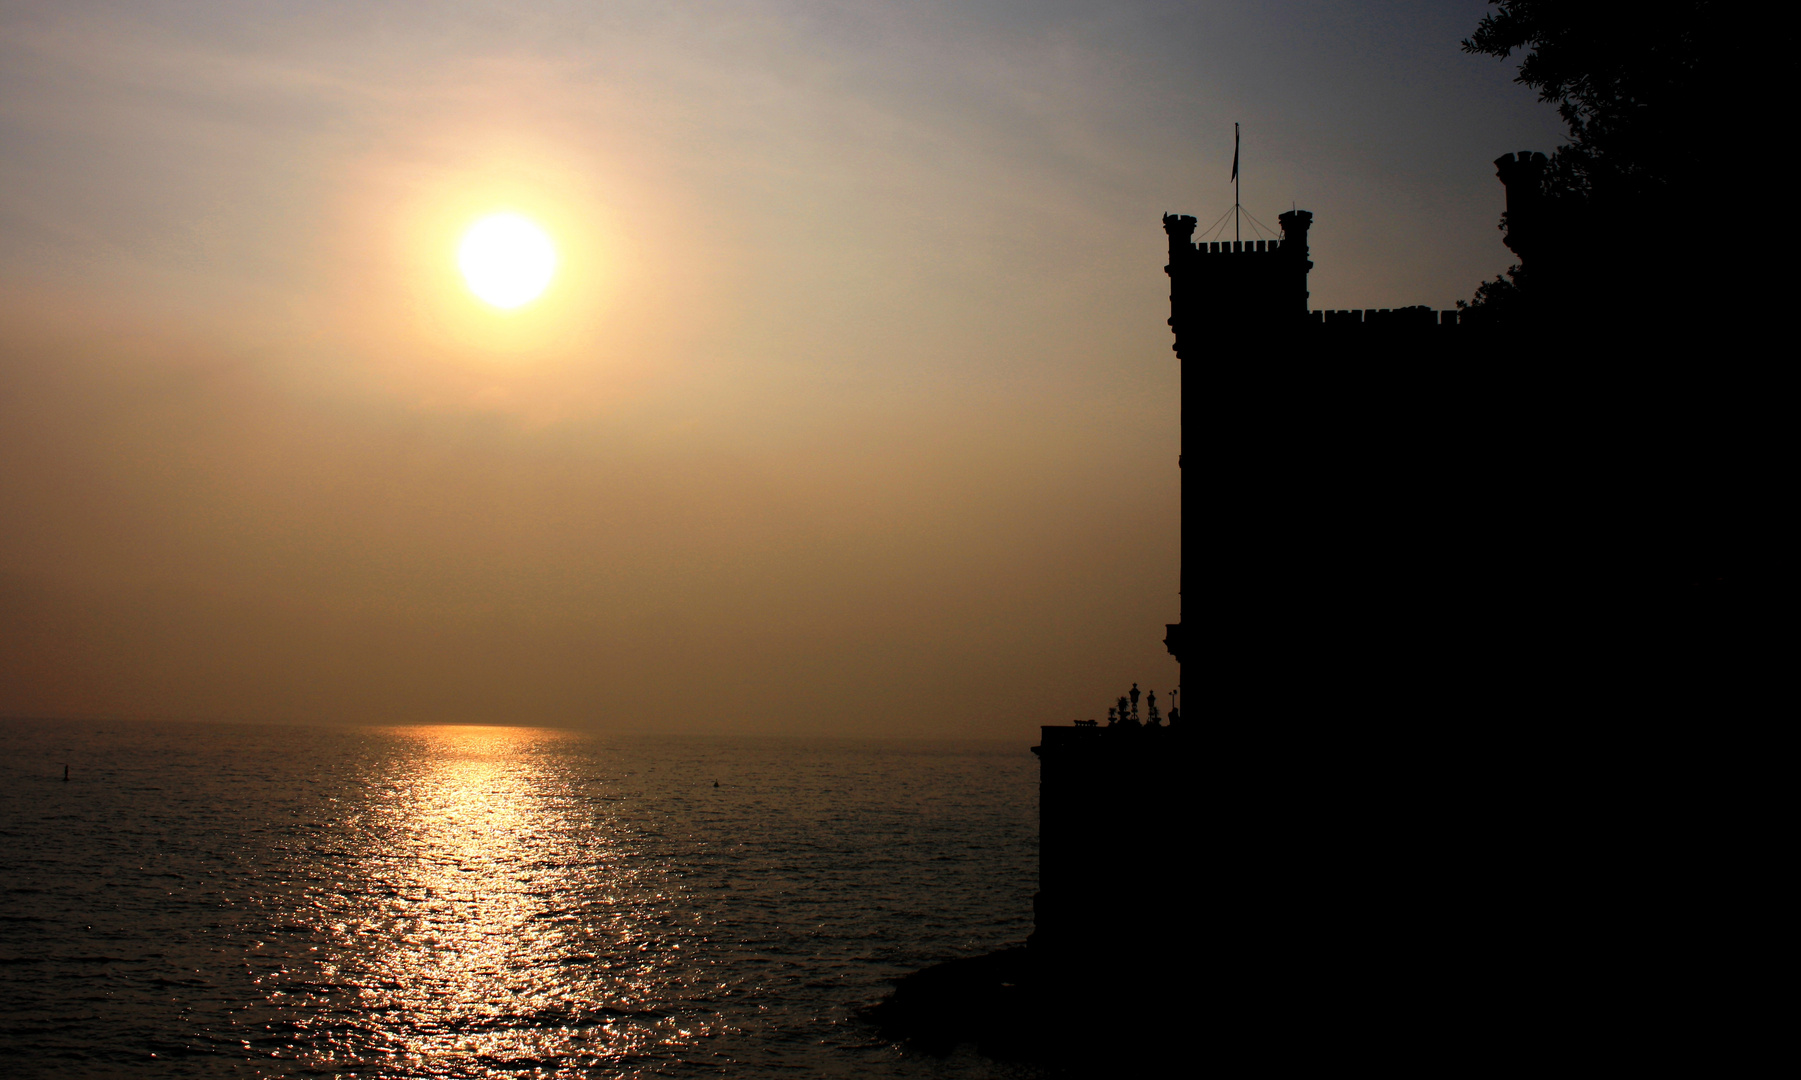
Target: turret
x=1524 y=177
x=1295 y=224
x=1180 y=228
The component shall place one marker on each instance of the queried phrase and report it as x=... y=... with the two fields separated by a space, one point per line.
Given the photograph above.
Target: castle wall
x=1116 y=836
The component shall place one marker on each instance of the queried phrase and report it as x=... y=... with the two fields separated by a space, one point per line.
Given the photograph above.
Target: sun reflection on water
x=502 y=925
x=463 y=902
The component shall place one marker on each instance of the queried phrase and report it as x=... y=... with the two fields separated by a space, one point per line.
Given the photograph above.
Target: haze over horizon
x=850 y=409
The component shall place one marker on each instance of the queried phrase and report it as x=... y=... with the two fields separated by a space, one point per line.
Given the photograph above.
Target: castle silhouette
x=1144 y=828
x=1236 y=289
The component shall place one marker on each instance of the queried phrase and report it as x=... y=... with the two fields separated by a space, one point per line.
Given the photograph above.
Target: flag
x=1234 y=153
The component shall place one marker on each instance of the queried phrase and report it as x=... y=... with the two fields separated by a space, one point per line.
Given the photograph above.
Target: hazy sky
x=851 y=408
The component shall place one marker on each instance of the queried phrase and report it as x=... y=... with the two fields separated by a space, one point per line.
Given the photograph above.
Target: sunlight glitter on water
x=454 y=901
x=477 y=927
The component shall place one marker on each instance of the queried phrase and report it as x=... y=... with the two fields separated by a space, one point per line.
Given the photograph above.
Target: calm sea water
x=212 y=900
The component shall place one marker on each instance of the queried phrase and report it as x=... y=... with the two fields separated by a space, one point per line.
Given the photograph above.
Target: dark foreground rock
x=980 y=1000
x=1005 y=1006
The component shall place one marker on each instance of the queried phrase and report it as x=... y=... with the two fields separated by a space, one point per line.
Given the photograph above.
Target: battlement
x=1408 y=317
x=1227 y=291
x=1237 y=247
x=1528 y=166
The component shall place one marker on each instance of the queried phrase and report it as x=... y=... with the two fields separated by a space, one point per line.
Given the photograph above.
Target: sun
x=507 y=260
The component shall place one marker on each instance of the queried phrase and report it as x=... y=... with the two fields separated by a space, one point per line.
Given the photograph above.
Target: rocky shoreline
x=1005 y=1006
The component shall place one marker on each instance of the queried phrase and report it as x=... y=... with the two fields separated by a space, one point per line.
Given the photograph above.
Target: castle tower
x=1232 y=289
x=1523 y=177
x=1295 y=224
x=1562 y=271
x=1225 y=294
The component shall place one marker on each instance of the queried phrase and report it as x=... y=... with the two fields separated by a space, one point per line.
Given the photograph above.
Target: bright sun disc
x=506 y=260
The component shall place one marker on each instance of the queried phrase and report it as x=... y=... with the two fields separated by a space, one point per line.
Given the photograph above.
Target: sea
x=201 y=899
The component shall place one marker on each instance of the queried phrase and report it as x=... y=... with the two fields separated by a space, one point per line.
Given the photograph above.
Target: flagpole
x=1235 y=204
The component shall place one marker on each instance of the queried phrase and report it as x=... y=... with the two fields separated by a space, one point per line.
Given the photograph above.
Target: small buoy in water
x=715 y=783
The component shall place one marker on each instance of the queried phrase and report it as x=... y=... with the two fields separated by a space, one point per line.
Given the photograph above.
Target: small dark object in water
x=715 y=783
x=65 y=774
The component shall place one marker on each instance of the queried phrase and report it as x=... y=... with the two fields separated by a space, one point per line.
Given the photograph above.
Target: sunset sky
x=849 y=408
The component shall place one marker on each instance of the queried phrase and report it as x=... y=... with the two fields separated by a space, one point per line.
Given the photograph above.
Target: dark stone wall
x=1118 y=854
